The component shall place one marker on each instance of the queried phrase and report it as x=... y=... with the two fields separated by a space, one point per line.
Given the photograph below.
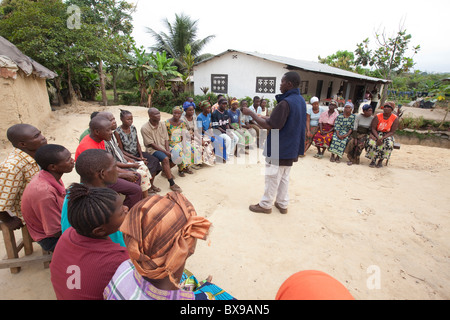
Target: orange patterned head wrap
x=160 y=233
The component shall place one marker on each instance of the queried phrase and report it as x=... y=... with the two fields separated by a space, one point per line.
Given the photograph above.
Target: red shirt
x=82 y=267
x=41 y=206
x=385 y=125
x=88 y=143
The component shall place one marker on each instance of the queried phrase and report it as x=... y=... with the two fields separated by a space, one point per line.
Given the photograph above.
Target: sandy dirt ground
x=383 y=233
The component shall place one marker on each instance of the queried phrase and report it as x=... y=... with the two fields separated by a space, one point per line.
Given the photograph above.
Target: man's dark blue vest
x=291 y=138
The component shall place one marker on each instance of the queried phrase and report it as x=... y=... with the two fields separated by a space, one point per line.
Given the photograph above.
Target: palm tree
x=180 y=33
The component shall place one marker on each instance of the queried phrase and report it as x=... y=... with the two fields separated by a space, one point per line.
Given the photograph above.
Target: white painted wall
x=242 y=73
x=243 y=69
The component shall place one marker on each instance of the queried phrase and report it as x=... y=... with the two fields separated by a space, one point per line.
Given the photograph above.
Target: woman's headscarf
x=312 y=285
x=160 y=233
x=204 y=104
x=366 y=107
x=390 y=104
x=313 y=100
x=348 y=103
x=179 y=108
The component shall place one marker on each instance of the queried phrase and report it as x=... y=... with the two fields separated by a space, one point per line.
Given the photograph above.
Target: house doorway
x=319 y=88
x=330 y=89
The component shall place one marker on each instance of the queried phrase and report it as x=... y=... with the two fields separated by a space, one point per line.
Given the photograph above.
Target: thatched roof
x=10 y=55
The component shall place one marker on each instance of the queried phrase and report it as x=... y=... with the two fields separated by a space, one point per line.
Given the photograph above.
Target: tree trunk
x=102 y=83
x=114 y=79
x=58 y=91
x=71 y=95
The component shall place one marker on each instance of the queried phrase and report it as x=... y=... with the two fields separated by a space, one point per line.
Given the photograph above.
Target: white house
x=240 y=74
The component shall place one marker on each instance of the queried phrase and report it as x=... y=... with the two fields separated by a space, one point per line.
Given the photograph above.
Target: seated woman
x=202 y=148
x=360 y=135
x=181 y=151
x=190 y=120
x=161 y=234
x=208 y=137
x=245 y=137
x=245 y=123
x=322 y=139
x=127 y=139
x=312 y=121
x=343 y=128
x=381 y=141
x=85 y=258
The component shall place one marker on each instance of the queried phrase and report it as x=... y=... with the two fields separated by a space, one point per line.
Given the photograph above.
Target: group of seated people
x=351 y=133
x=112 y=235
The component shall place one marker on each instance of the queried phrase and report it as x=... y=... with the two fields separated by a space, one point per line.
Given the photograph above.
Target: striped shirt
x=128 y=284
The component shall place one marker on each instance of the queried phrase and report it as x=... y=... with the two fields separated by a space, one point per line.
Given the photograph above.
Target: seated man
x=129 y=182
x=43 y=197
x=156 y=142
x=17 y=170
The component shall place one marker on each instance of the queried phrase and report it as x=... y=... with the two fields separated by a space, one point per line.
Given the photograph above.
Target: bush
x=130 y=98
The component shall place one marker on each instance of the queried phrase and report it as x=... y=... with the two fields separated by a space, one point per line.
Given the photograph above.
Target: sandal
x=316 y=155
x=320 y=156
x=155 y=189
x=188 y=171
x=372 y=164
x=379 y=165
x=181 y=174
x=338 y=160
x=349 y=163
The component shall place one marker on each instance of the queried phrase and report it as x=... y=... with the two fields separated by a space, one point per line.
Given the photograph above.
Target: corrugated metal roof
x=304 y=65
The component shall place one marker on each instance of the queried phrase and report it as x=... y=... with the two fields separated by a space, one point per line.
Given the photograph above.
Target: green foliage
x=342 y=59
x=181 y=32
x=390 y=54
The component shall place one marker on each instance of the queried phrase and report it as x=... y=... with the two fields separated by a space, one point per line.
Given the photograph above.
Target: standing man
x=156 y=141
x=17 y=171
x=287 y=123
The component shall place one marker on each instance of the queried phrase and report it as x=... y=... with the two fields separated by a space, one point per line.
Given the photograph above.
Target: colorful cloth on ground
x=323 y=140
x=161 y=232
x=42 y=202
x=128 y=284
x=181 y=151
x=16 y=171
x=383 y=151
x=342 y=125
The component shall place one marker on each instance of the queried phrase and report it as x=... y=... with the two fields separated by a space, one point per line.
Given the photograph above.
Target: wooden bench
x=12 y=259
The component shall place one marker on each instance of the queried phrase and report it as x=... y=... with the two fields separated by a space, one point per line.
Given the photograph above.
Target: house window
x=304 y=87
x=219 y=83
x=266 y=85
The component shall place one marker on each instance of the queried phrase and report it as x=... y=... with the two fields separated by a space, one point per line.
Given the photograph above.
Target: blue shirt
x=234 y=116
x=204 y=121
x=115 y=237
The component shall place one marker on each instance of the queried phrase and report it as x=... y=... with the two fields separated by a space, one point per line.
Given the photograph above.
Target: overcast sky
x=305 y=29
